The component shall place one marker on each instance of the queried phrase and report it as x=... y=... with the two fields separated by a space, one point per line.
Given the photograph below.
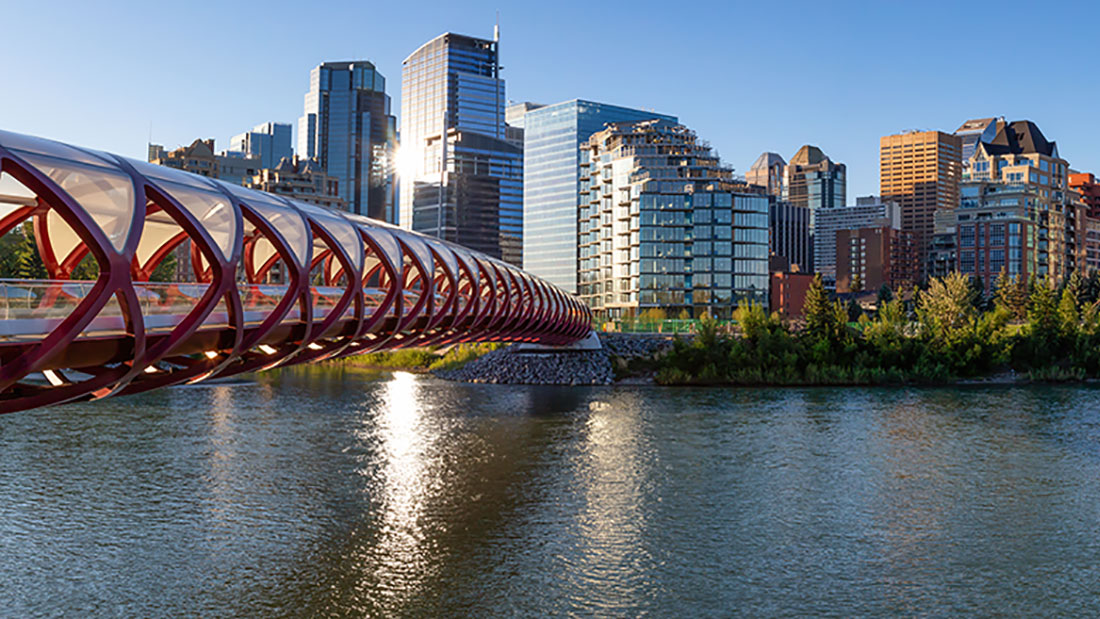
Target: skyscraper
x=452 y=113
x=663 y=224
x=270 y=142
x=770 y=172
x=553 y=135
x=920 y=171
x=815 y=181
x=347 y=126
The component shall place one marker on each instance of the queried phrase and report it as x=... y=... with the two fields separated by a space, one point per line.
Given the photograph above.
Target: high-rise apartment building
x=1016 y=212
x=551 y=180
x=770 y=172
x=347 y=127
x=869 y=211
x=868 y=258
x=662 y=224
x=462 y=179
x=269 y=142
x=1084 y=183
x=921 y=172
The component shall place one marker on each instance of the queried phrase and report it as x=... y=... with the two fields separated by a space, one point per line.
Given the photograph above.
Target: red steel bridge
x=271 y=281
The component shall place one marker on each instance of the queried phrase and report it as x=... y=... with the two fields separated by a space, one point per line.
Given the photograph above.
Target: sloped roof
x=808 y=155
x=1019 y=138
x=976 y=125
x=767 y=160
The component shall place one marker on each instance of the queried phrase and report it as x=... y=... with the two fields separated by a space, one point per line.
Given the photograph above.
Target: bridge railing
x=32 y=308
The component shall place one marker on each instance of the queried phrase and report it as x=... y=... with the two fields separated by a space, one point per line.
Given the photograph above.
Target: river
x=339 y=492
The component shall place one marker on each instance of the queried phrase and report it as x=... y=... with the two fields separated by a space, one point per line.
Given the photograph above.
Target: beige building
x=920 y=170
x=198 y=158
x=300 y=180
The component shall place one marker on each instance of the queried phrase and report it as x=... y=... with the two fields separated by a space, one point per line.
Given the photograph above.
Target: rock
x=589 y=367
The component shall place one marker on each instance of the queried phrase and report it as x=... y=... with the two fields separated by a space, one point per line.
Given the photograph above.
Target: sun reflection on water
x=400 y=558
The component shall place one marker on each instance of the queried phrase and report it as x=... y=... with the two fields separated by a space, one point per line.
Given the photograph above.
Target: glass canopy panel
x=262 y=251
x=63 y=239
x=419 y=249
x=341 y=230
x=105 y=194
x=159 y=229
x=280 y=215
x=163 y=173
x=213 y=211
x=448 y=258
x=14 y=195
x=39 y=146
x=383 y=239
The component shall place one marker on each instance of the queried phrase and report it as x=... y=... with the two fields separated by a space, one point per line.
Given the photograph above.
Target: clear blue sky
x=748 y=77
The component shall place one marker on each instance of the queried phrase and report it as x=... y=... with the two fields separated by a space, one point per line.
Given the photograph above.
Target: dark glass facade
x=452 y=85
x=347 y=126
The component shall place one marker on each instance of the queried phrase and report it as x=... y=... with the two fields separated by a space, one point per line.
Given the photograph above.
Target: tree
x=1017 y=296
x=857 y=283
x=1042 y=313
x=946 y=308
x=1068 y=317
x=817 y=310
x=885 y=295
x=1001 y=289
x=977 y=293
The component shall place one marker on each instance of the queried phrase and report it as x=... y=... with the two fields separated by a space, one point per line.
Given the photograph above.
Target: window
x=966 y=237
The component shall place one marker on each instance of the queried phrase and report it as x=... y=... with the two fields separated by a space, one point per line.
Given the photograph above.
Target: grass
x=420 y=359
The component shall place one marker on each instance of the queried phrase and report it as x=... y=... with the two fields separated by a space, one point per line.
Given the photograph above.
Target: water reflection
x=400 y=559
x=332 y=492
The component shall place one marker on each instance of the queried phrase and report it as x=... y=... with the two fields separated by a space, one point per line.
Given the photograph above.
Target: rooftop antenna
x=496 y=29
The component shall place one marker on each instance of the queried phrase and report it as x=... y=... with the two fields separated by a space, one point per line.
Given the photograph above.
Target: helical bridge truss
x=270 y=281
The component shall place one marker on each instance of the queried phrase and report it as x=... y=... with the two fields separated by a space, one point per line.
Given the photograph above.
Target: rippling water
x=320 y=491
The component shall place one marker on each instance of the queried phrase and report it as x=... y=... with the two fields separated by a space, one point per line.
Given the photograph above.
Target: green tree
x=818 y=312
x=1068 y=317
x=946 y=307
x=1043 y=328
x=885 y=295
x=857 y=283
x=977 y=293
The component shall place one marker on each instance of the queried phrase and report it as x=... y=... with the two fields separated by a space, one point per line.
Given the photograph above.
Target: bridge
x=269 y=281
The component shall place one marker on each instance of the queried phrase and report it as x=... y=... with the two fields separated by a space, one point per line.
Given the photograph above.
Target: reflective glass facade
x=347 y=126
x=553 y=135
x=270 y=142
x=662 y=224
x=453 y=82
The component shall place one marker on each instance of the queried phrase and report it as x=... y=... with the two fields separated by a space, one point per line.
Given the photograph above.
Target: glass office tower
x=347 y=126
x=468 y=187
x=552 y=138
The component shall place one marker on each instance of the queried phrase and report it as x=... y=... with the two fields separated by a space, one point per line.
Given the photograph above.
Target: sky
x=747 y=77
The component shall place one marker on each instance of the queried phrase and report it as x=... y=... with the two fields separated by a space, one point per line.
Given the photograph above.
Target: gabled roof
x=1019 y=138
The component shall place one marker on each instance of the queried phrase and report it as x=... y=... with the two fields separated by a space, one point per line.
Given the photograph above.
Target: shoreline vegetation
x=418 y=360
x=947 y=333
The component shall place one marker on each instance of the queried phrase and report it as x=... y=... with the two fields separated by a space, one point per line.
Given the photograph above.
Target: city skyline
x=860 y=96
